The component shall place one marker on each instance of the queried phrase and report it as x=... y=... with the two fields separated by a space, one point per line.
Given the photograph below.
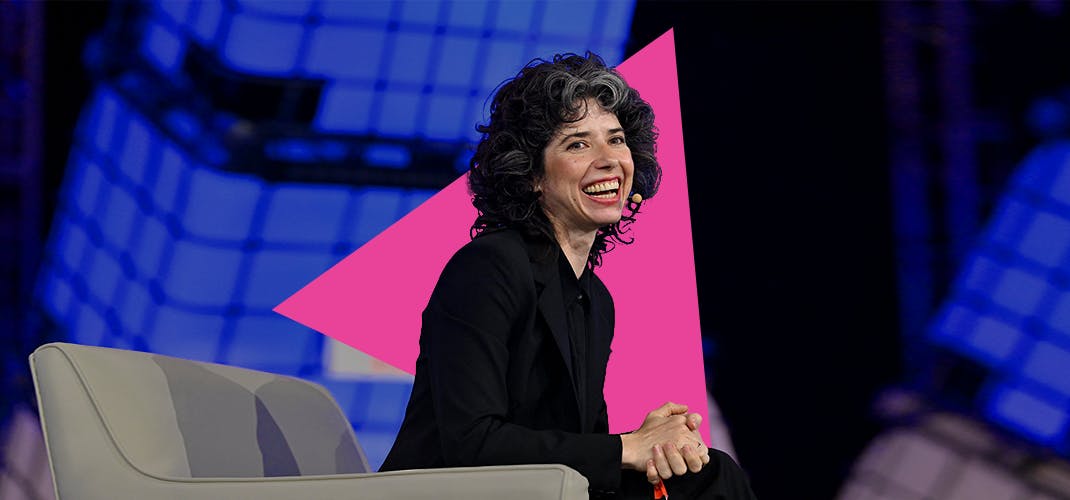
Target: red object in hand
x=660 y=491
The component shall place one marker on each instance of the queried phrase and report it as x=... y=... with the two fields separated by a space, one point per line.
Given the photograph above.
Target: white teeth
x=603 y=186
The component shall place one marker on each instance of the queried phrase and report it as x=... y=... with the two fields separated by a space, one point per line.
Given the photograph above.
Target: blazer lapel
x=552 y=308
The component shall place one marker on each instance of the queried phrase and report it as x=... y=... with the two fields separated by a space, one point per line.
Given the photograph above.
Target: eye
x=617 y=139
x=576 y=145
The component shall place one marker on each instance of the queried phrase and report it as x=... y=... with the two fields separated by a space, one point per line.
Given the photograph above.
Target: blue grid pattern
x=156 y=251
x=154 y=247
x=396 y=69
x=1010 y=308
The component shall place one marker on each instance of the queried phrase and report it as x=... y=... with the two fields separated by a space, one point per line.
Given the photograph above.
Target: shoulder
x=503 y=247
x=489 y=273
x=490 y=261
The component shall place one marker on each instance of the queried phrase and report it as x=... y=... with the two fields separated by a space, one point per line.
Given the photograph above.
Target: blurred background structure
x=881 y=197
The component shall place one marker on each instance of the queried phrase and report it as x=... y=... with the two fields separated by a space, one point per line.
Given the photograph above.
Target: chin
x=608 y=222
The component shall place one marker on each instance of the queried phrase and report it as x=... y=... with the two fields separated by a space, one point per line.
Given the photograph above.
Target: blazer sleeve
x=478 y=301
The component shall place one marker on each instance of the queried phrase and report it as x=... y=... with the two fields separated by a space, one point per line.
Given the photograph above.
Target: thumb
x=693 y=421
x=652 y=472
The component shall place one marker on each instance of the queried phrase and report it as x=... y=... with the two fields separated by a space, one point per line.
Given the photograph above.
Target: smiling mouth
x=605 y=190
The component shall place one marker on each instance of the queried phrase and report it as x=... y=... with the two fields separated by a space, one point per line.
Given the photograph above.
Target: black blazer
x=494 y=380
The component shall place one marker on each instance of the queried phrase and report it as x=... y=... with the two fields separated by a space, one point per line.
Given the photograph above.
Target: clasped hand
x=667 y=444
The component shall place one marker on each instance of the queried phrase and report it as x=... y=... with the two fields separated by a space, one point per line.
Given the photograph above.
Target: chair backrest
x=173 y=418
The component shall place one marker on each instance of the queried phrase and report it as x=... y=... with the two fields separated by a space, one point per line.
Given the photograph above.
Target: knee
x=729 y=473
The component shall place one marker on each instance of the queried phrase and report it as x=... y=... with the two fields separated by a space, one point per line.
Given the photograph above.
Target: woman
x=516 y=335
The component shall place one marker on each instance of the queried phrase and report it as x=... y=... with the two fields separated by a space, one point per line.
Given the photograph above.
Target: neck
x=577 y=246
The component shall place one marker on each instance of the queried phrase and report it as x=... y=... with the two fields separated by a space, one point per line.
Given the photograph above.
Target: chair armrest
x=516 y=482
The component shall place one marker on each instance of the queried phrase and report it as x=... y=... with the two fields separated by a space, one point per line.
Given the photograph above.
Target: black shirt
x=576 y=294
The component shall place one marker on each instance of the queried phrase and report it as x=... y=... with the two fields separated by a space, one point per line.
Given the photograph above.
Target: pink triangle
x=657 y=349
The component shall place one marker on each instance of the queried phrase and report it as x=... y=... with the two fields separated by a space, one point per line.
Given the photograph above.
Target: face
x=588 y=172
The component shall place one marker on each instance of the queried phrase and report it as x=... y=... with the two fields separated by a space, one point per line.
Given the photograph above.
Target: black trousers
x=721 y=479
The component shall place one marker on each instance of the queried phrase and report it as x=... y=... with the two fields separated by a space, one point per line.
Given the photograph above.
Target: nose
x=606 y=163
x=605 y=158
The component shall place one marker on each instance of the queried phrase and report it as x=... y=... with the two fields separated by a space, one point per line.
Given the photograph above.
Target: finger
x=692 y=457
x=693 y=421
x=652 y=472
x=668 y=409
x=705 y=455
x=676 y=461
x=661 y=463
x=677 y=409
x=703 y=450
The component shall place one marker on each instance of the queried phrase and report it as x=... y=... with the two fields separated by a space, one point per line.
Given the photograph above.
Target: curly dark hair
x=525 y=114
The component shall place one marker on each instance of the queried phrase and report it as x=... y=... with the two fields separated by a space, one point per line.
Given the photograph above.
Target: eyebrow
x=586 y=134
